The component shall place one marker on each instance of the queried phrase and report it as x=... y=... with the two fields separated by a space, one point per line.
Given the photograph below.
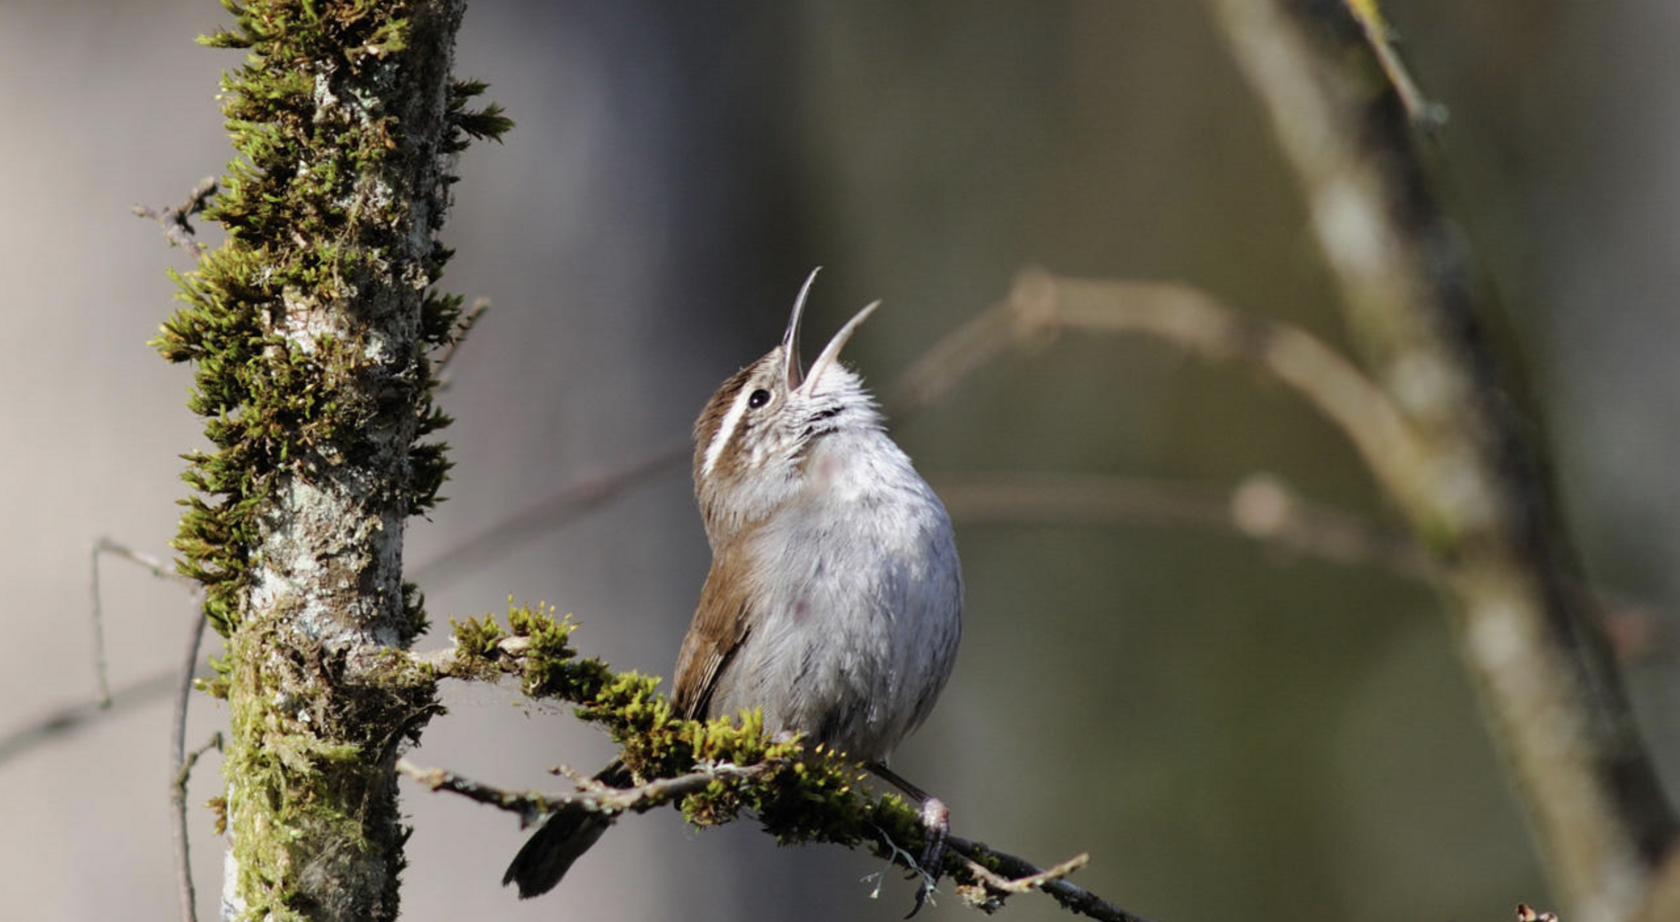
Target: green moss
x=806 y=796
x=476 y=638
x=306 y=227
x=289 y=325
x=311 y=733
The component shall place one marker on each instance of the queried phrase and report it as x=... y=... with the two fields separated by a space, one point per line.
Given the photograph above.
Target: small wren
x=834 y=600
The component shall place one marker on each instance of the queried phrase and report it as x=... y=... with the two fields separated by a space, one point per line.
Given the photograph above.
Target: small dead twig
x=1001 y=884
x=187 y=895
x=157 y=568
x=1018 y=875
x=174 y=221
x=1261 y=508
x=182 y=762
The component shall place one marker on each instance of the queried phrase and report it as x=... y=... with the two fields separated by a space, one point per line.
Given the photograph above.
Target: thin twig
x=1004 y=885
x=1427 y=114
x=72 y=717
x=101 y=671
x=187 y=896
x=174 y=221
x=1265 y=510
x=181 y=764
x=1071 y=896
x=158 y=568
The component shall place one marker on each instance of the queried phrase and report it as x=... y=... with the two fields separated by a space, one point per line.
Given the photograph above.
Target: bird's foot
x=936 y=825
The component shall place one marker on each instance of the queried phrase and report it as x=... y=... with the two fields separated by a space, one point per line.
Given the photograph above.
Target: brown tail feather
x=561 y=840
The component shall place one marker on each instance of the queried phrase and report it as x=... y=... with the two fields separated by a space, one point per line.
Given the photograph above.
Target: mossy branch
x=718 y=769
x=312 y=329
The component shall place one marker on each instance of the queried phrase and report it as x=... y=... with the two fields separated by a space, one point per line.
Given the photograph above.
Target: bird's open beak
x=795 y=375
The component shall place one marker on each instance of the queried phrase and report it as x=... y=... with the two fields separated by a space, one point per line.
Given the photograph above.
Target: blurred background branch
x=1473 y=491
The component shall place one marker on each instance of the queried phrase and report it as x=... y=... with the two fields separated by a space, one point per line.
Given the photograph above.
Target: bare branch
x=1019 y=874
x=1427 y=114
x=999 y=884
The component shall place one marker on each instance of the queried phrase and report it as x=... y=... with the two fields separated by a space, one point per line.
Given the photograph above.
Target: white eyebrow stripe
x=726 y=428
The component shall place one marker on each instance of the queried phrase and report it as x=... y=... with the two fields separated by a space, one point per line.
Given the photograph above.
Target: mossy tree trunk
x=311 y=328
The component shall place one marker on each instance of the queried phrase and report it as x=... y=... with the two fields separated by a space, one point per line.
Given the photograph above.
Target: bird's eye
x=758 y=399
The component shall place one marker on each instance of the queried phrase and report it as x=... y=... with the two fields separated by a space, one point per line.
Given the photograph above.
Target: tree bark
x=311 y=327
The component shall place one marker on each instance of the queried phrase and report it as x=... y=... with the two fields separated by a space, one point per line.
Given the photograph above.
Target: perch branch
x=591 y=795
x=1012 y=875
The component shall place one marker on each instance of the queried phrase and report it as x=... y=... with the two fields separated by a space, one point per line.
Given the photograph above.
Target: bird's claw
x=936 y=825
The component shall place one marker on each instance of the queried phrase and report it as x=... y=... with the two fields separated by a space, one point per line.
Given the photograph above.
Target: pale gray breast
x=861 y=620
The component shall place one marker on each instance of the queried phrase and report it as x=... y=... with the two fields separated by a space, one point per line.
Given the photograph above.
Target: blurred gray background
x=1230 y=732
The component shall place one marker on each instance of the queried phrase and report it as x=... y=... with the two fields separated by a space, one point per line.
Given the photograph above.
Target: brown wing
x=720 y=625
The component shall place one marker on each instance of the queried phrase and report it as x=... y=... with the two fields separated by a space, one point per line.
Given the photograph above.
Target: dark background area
x=1230 y=732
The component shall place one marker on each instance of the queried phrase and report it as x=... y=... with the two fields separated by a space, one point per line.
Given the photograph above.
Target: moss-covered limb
x=311 y=328
x=984 y=877
x=658 y=744
x=713 y=770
